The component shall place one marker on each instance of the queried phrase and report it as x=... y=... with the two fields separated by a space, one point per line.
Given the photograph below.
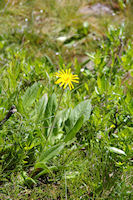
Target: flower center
x=66 y=78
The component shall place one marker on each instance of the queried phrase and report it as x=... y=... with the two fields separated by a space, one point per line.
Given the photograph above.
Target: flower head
x=66 y=78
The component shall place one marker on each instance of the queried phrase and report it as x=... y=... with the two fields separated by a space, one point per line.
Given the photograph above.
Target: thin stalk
x=65 y=187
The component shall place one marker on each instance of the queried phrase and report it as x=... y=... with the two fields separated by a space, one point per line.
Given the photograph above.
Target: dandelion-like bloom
x=66 y=78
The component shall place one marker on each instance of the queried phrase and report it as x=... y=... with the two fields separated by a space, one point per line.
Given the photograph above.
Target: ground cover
x=66 y=143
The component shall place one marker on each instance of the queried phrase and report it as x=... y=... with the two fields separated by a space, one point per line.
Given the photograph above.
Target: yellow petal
x=65 y=77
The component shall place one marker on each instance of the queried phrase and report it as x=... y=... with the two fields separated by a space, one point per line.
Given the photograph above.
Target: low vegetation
x=66 y=100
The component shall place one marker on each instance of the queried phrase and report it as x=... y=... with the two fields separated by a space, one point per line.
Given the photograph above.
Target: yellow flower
x=66 y=78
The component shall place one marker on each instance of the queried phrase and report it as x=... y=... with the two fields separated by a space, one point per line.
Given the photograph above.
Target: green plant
x=59 y=141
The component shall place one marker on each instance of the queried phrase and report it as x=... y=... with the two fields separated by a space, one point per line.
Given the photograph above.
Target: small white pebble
x=41 y=11
x=82 y=69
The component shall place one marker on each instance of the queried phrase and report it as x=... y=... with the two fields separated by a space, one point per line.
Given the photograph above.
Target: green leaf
x=30 y=95
x=62 y=116
x=28 y=180
x=51 y=152
x=82 y=109
x=99 y=82
x=41 y=107
x=41 y=165
x=51 y=105
x=116 y=150
x=45 y=169
x=74 y=130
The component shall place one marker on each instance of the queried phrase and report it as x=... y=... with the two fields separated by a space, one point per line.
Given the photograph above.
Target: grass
x=39 y=24
x=88 y=154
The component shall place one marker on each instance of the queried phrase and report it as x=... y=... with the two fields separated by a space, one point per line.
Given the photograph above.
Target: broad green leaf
x=62 y=116
x=50 y=112
x=82 y=109
x=51 y=152
x=116 y=150
x=51 y=105
x=30 y=95
x=70 y=135
x=41 y=107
